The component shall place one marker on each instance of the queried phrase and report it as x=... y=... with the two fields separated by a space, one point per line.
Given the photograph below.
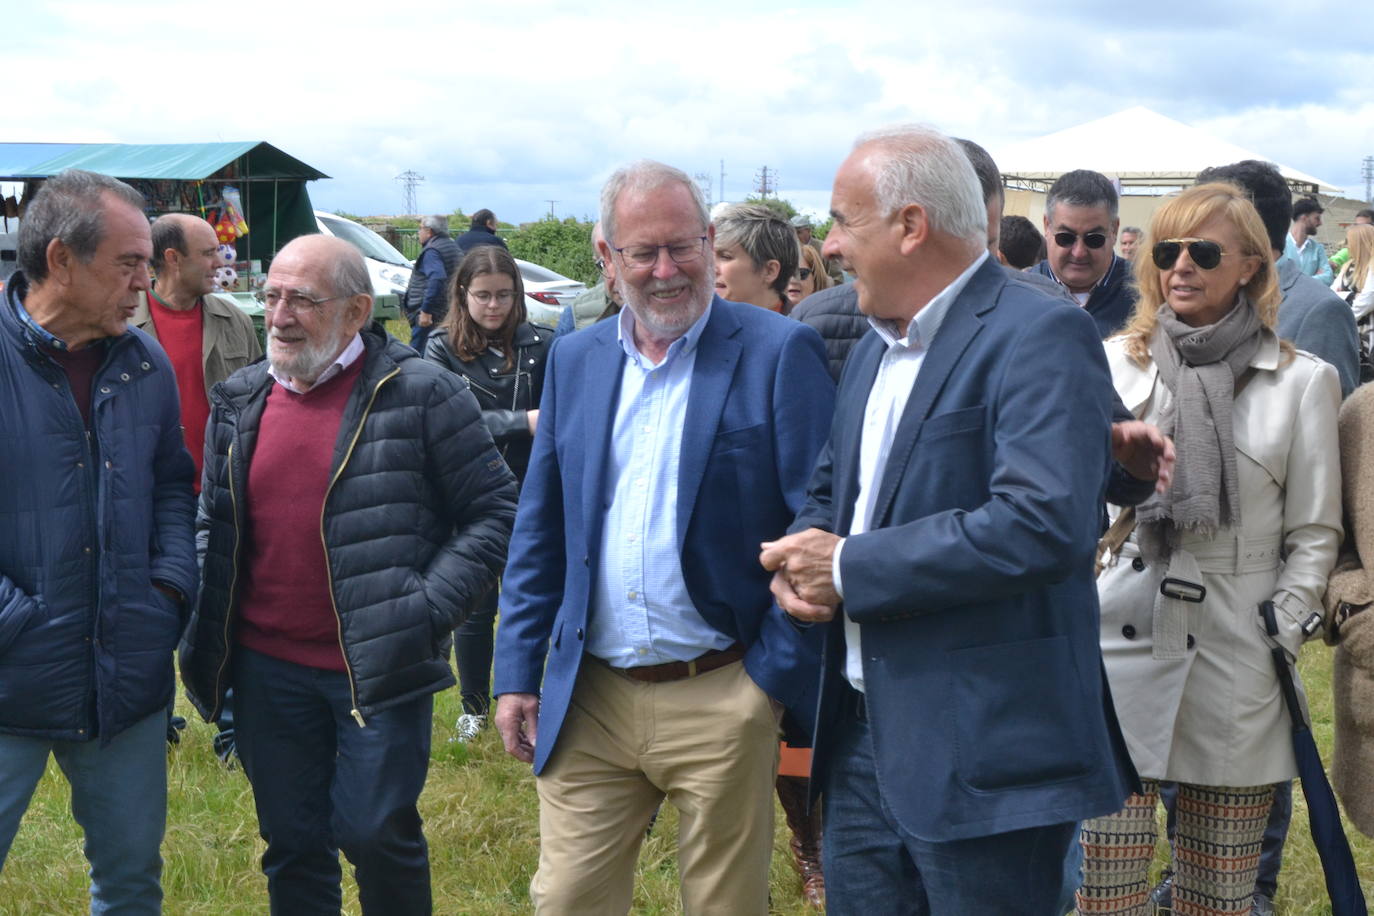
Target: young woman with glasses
x=487 y=340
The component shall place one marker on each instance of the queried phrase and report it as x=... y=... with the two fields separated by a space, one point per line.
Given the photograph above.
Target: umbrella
x=1323 y=817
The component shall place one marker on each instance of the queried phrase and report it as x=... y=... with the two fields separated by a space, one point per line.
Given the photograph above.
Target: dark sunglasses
x=1066 y=239
x=1204 y=253
x=804 y=273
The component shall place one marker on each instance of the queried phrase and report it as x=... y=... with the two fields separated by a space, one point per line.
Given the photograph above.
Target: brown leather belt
x=676 y=671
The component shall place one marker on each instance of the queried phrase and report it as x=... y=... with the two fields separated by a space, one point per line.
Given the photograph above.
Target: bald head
x=185 y=258
x=318 y=296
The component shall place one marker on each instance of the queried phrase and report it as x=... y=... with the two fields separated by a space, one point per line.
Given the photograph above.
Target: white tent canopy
x=1136 y=146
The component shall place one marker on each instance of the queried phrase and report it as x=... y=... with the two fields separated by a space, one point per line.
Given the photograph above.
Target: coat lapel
x=962 y=323
x=601 y=371
x=718 y=351
x=847 y=434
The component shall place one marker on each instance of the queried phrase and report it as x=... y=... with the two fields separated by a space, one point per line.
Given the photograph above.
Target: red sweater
x=286 y=610
x=182 y=335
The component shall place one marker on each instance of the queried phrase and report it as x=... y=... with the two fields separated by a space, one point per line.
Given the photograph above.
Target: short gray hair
x=645 y=175
x=1133 y=230
x=763 y=235
x=1082 y=188
x=348 y=274
x=70 y=208
x=436 y=224
x=920 y=165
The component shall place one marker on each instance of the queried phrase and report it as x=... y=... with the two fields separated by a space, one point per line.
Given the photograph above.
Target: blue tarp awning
x=175 y=161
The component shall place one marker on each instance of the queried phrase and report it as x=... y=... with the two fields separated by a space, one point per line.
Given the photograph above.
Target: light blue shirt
x=1311 y=258
x=641 y=613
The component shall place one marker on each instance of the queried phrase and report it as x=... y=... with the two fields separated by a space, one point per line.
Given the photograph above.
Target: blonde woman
x=1355 y=282
x=1257 y=479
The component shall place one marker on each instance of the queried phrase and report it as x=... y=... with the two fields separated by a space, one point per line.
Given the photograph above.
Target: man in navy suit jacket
x=949 y=533
x=671 y=441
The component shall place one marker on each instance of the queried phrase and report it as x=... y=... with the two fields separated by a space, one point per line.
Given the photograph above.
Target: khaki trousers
x=709 y=744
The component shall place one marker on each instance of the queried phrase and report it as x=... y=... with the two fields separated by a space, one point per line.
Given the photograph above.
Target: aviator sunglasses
x=1204 y=253
x=1066 y=239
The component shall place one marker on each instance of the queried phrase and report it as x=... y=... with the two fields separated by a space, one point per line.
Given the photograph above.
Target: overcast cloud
x=509 y=108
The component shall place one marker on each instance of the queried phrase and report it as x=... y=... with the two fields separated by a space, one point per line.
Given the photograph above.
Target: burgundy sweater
x=286 y=610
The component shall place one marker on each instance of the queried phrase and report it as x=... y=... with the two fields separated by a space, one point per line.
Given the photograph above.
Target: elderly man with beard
x=672 y=440
x=354 y=508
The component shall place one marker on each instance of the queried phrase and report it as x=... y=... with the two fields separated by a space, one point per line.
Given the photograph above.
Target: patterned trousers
x=1215 y=862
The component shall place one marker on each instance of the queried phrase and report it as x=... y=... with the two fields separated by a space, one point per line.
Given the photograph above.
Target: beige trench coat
x=1215 y=716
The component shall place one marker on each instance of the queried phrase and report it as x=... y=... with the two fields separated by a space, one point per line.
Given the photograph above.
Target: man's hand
x=1145 y=452
x=804 y=561
x=794 y=606
x=517 y=719
x=425 y=319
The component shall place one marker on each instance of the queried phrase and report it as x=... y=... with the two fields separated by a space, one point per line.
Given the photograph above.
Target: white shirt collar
x=341 y=362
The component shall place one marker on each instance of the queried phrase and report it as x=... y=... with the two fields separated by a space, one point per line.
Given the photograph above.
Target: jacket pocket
x=22 y=614
x=1018 y=714
x=953 y=423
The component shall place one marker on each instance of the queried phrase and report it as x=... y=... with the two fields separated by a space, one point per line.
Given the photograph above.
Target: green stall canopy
x=271 y=183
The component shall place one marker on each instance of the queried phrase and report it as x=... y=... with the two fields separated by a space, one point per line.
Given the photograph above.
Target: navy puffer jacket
x=86 y=527
x=416 y=523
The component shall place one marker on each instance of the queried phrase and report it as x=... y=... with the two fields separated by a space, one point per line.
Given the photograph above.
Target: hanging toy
x=224 y=229
x=228 y=254
x=233 y=209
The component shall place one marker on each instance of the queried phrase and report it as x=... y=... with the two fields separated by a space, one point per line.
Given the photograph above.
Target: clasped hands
x=802 y=566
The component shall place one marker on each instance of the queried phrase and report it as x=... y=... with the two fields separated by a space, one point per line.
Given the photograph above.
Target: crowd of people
x=1001 y=524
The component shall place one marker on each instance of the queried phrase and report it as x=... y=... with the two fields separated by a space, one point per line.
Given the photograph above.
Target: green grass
x=481 y=819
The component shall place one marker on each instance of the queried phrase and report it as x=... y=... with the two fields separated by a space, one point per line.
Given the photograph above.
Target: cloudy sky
x=512 y=105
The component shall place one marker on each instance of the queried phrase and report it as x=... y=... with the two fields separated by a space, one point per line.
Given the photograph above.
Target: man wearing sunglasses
x=1080 y=231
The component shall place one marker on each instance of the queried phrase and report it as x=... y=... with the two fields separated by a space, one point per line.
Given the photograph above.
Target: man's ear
x=60 y=261
x=915 y=227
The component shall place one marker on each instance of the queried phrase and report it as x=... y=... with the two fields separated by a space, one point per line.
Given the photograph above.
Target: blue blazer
x=757 y=416
x=974 y=587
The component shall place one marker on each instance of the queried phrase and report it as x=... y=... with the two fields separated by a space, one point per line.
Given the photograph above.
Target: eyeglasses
x=295 y=301
x=1066 y=239
x=684 y=252
x=1205 y=253
x=804 y=273
x=484 y=297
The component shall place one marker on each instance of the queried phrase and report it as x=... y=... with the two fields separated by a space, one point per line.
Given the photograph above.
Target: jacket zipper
x=328 y=570
x=233 y=585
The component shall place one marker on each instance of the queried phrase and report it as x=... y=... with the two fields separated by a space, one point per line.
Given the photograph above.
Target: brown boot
x=806 y=837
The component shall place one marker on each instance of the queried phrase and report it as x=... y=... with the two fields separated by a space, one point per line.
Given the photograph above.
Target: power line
x=1368 y=175
x=766 y=182
x=550 y=203
x=409 y=180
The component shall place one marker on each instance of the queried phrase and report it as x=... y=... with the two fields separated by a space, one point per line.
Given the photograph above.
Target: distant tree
x=779 y=206
x=346 y=215
x=563 y=246
x=821 y=230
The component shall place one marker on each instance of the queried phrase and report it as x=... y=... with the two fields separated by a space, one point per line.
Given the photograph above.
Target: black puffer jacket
x=506 y=395
x=835 y=315
x=416 y=523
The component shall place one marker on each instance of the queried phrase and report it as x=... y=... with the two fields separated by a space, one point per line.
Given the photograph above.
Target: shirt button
x=104 y=389
x=641 y=651
x=1137 y=564
x=109 y=464
x=632 y=538
x=123 y=376
x=631 y=595
x=1128 y=631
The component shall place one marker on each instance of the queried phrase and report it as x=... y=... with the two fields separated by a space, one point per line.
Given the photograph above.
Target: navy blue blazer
x=974 y=587
x=757 y=416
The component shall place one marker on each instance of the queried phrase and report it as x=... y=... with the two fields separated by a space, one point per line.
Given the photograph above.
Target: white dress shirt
x=896 y=377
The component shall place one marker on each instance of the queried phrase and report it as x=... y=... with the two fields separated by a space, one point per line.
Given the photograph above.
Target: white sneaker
x=469 y=724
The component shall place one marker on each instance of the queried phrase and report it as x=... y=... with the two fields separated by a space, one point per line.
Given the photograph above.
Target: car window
x=536 y=274
x=365 y=240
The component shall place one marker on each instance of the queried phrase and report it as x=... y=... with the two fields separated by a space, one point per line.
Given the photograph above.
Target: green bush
x=561 y=245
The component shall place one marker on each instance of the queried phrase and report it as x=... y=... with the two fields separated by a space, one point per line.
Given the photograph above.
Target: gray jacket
x=1317 y=320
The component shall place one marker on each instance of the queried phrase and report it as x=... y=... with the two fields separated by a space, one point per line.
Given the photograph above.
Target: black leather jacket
x=505 y=395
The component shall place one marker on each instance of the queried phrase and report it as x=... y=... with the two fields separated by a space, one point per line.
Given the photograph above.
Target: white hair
x=919 y=165
x=646 y=175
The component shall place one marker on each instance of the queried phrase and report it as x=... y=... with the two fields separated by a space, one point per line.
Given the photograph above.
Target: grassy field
x=481 y=819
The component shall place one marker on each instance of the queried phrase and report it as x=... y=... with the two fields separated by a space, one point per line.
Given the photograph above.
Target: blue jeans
x=872 y=866
x=322 y=784
x=119 y=797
